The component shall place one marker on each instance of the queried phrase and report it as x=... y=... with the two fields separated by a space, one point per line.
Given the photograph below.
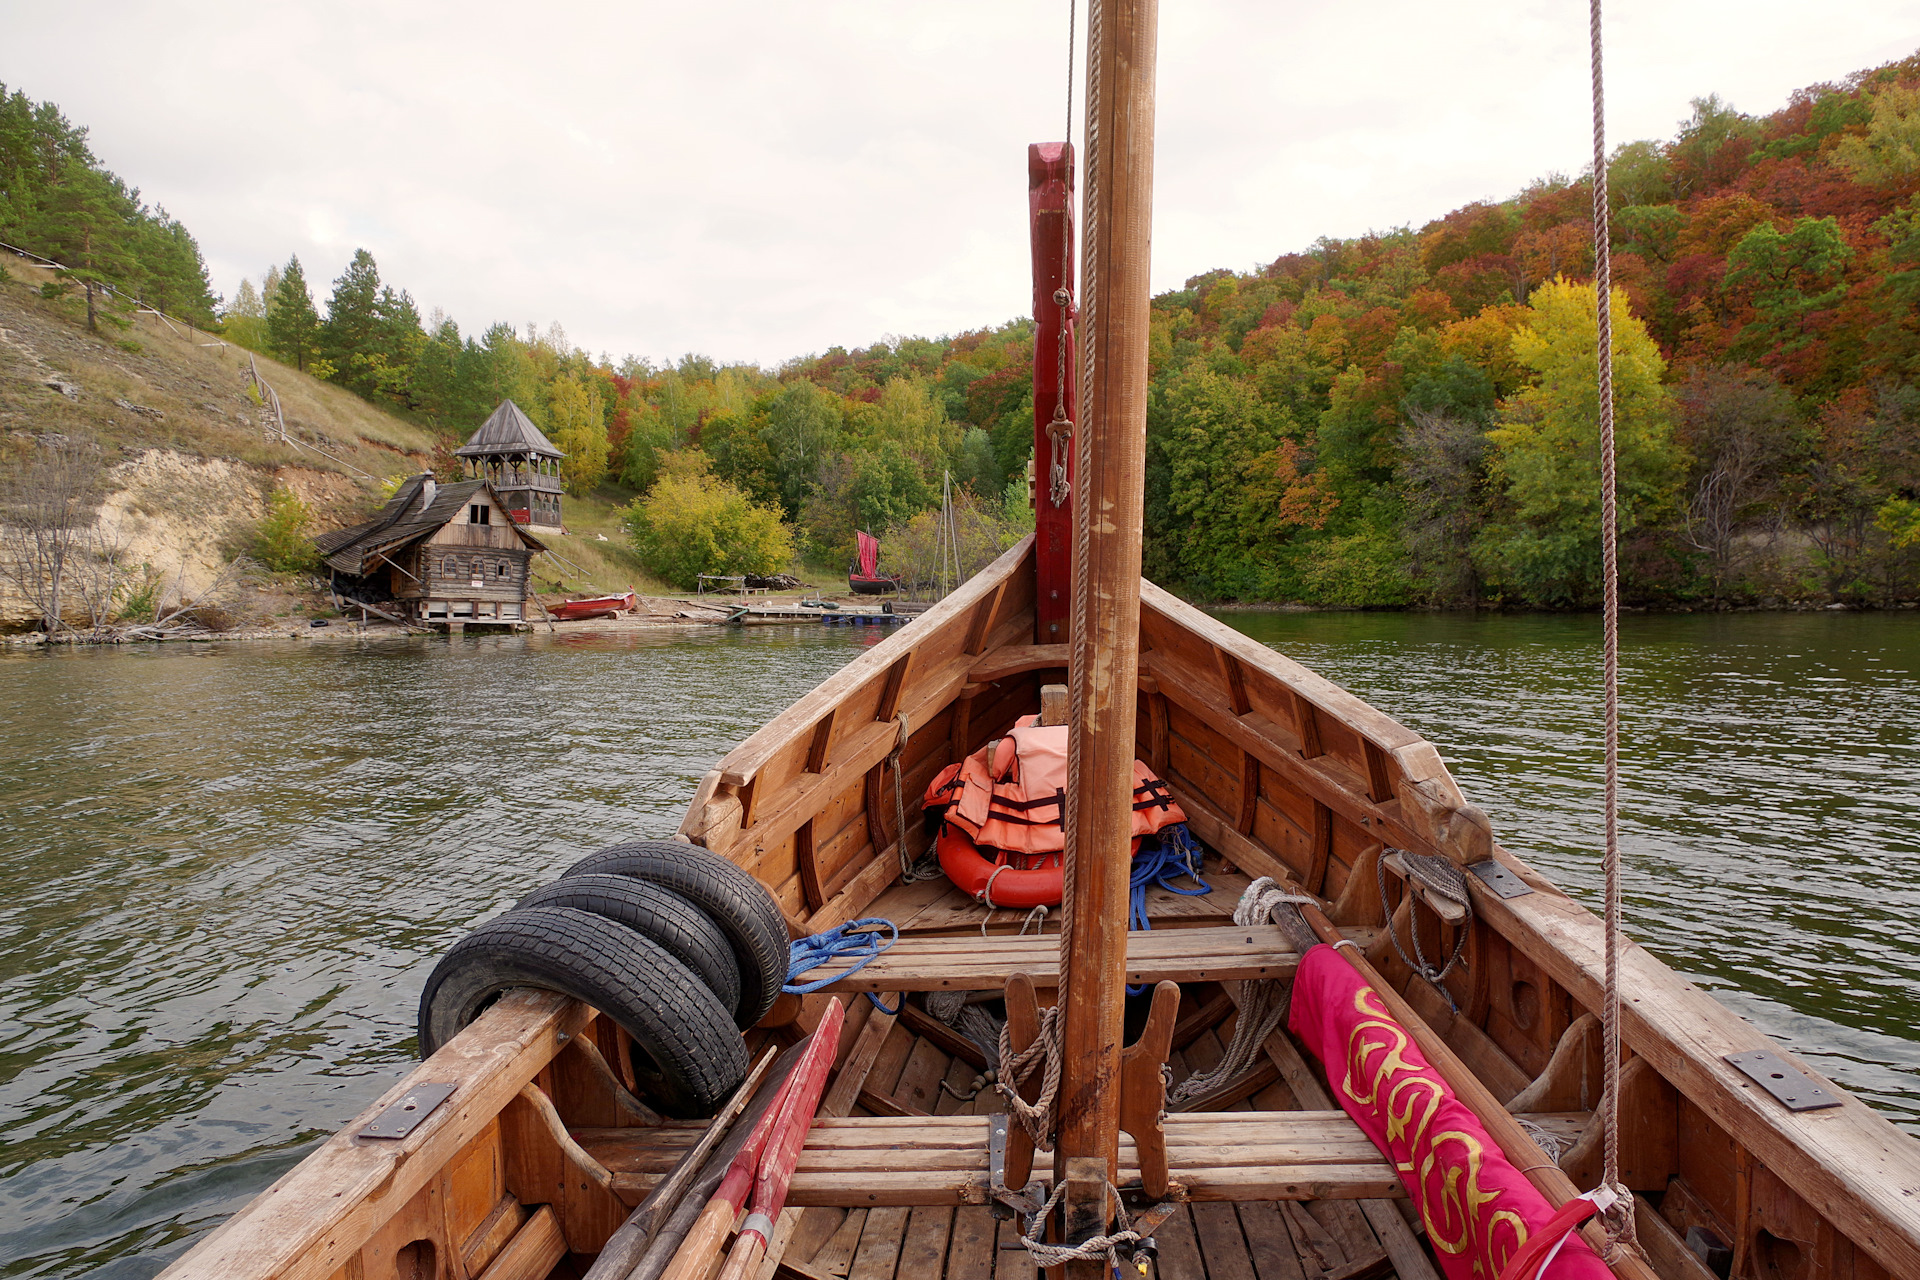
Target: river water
x=226 y=870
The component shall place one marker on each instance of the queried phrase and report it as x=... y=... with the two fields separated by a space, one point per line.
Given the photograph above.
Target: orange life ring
x=1011 y=880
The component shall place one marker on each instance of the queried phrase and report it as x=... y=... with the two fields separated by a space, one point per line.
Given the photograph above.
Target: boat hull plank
x=319 y=1215
x=1847 y=1162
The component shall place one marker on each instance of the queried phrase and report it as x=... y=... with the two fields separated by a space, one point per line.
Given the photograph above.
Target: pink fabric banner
x=1478 y=1209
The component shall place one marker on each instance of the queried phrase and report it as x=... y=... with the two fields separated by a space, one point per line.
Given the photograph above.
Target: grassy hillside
x=153 y=385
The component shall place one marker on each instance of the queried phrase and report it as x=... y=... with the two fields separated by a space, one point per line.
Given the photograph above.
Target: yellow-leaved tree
x=692 y=522
x=576 y=408
x=1543 y=547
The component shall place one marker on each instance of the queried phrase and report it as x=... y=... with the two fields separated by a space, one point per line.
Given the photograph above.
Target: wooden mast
x=1055 y=397
x=1111 y=457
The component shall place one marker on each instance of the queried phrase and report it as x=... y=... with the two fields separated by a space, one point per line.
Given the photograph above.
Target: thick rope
x=856 y=940
x=1620 y=1229
x=1043 y=1054
x=1263 y=1004
x=1107 y=1246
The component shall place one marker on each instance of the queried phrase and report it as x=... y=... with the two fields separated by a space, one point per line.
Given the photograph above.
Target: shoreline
x=683 y=618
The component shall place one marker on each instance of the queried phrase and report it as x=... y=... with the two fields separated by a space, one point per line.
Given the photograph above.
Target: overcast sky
x=757 y=181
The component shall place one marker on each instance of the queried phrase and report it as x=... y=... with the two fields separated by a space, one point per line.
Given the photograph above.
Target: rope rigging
x=1440 y=876
x=927 y=866
x=1263 y=1004
x=1060 y=431
x=1619 y=1217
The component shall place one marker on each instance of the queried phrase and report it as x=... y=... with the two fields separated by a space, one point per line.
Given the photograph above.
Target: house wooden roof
x=508 y=431
x=409 y=516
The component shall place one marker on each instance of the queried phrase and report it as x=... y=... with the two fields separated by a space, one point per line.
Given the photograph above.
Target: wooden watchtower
x=521 y=464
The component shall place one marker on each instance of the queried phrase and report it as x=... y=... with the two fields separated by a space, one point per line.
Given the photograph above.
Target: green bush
x=281 y=541
x=692 y=522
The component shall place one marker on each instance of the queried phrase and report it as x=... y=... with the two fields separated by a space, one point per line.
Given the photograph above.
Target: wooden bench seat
x=936 y=1160
x=983 y=964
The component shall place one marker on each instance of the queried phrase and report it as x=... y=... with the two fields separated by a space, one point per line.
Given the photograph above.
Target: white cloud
x=758 y=181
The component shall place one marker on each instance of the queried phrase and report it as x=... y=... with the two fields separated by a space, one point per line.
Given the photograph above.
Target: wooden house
x=512 y=454
x=441 y=554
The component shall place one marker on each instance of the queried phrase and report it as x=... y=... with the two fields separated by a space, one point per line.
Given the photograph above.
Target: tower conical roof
x=508 y=431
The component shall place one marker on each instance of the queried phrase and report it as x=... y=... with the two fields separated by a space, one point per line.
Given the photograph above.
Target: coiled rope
x=1263 y=1004
x=1173 y=854
x=1619 y=1216
x=856 y=940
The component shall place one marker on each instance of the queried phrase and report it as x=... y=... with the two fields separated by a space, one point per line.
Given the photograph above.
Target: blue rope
x=1173 y=853
x=856 y=940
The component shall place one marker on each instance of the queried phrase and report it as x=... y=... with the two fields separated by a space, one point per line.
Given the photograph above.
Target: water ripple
x=1770 y=775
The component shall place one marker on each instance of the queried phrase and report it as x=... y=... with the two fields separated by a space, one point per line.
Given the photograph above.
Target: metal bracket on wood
x=406 y=1115
x=1006 y=1201
x=1497 y=878
x=1793 y=1088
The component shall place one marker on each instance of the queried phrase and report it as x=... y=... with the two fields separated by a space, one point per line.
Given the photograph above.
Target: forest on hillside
x=1404 y=418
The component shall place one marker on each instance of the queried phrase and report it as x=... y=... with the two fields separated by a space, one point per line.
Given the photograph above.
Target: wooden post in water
x=1110 y=462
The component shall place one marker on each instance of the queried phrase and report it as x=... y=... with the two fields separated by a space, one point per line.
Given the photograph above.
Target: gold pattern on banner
x=1445 y=1166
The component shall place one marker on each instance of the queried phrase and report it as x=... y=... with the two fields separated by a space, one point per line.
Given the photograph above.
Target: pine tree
x=86 y=221
x=350 y=334
x=293 y=326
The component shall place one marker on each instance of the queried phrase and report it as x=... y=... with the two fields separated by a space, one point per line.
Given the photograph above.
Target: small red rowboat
x=595 y=607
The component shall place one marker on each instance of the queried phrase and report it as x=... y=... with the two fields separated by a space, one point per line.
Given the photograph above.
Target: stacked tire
x=678 y=946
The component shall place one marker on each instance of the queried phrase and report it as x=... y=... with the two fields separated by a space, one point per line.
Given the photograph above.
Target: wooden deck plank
x=880 y=1240
x=1010 y=1260
x=923 y=1251
x=1179 y=1248
x=835 y=1257
x=919 y=1084
x=1269 y=1243
x=970 y=1246
x=1221 y=1243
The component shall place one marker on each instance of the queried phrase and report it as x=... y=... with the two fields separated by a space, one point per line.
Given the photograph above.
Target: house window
x=501 y=569
x=479 y=513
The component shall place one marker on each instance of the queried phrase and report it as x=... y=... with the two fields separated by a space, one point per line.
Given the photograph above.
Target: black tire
x=734 y=900
x=657 y=914
x=690 y=1056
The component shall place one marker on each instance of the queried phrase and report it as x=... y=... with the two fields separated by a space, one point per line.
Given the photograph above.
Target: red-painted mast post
x=1055 y=398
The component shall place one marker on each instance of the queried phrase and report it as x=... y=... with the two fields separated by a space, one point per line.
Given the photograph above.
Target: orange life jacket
x=1011 y=794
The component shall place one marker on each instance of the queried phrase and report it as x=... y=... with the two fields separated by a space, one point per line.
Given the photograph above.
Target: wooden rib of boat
x=539 y=1150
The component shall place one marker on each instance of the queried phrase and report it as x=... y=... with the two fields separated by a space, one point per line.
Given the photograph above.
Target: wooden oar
x=703 y=1243
x=668 y=1234
x=789 y=1135
x=624 y=1246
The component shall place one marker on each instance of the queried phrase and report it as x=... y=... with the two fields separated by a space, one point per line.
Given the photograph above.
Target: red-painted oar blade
x=796 y=1109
